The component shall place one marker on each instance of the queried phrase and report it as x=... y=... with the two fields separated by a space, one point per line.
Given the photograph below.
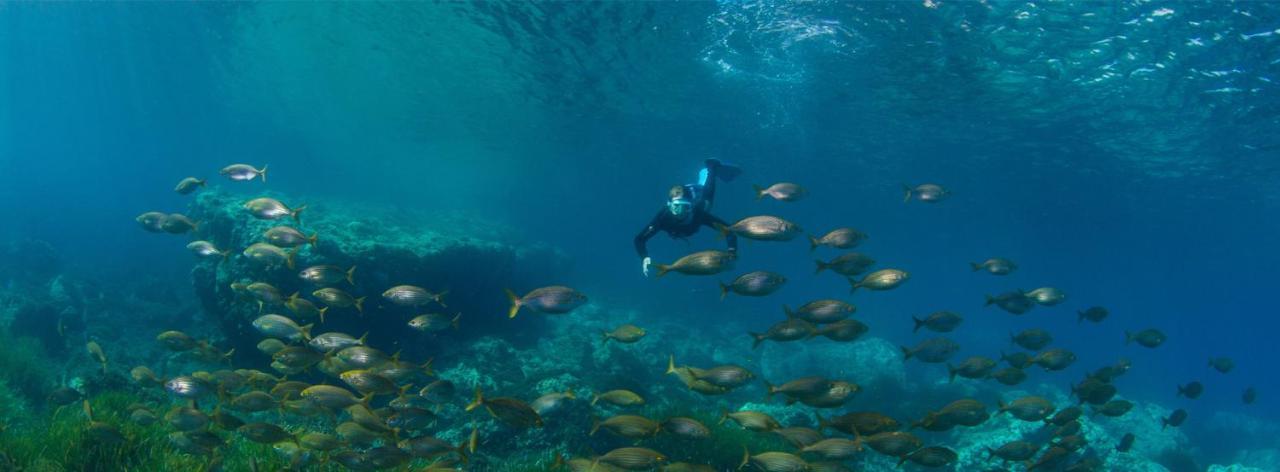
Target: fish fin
x=426 y=368
x=906 y=353
x=360 y=305
x=1128 y=338
x=976 y=266
x=786 y=310
x=595 y=422
x=290 y=258
x=990 y=300
x=821 y=266
x=306 y=331
x=360 y=340
x=663 y=269
x=515 y=303
x=474 y=441
x=902 y=460
x=595 y=397
x=263 y=173
x=351 y=275
x=313 y=239
x=813 y=243
x=454 y=321
x=952 y=371
x=671 y=364
x=746 y=457
x=769 y=390
x=759 y=338
x=297 y=214
x=920 y=322
x=88 y=409
x=322 y=310
x=724 y=290
x=907 y=196
x=479 y=400
x=724 y=415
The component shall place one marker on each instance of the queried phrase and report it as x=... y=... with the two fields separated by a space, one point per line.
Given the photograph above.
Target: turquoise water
x=1123 y=152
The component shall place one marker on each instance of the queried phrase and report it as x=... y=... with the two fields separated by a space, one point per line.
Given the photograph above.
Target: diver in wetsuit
x=689 y=209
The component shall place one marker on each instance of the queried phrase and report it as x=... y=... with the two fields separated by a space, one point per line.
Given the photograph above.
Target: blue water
x=1124 y=152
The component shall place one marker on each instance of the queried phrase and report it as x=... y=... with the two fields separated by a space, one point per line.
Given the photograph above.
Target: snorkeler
x=688 y=209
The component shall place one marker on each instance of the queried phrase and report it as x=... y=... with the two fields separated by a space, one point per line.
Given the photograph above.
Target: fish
x=297 y=357
x=1054 y=359
x=554 y=300
x=883 y=279
x=963 y=412
x=709 y=262
x=411 y=419
x=1126 y=442
x=331 y=397
x=1017 y=451
x=63 y=396
x=928 y=193
x=95 y=351
x=842 y=331
x=995 y=266
x=799 y=436
x=1069 y=429
x=143 y=417
x=207 y=249
x=508 y=410
x=1191 y=390
x=1015 y=302
x=1019 y=360
x=178 y=223
x=265 y=433
x=839 y=238
x=685 y=427
x=933 y=350
x=1094 y=391
x=752 y=420
x=1050 y=460
x=626 y=334
x=763 y=228
x=839 y=393
x=848 y=264
x=631 y=458
x=859 y=423
x=1222 y=364
x=788 y=330
x=975 y=367
x=439 y=390
x=322 y=275
x=1047 y=296
x=754 y=284
x=176 y=341
x=151 y=221
x=429 y=447
x=1175 y=419
x=265 y=208
x=433 y=322
x=1071 y=443
x=188 y=185
x=1009 y=376
x=1114 y=408
x=931 y=456
x=618 y=397
x=145 y=376
x=185 y=418
x=821 y=311
x=244 y=172
x=1095 y=314
x=1249 y=396
x=285 y=236
x=627 y=426
x=287 y=389
x=801 y=387
x=727 y=376
x=892 y=443
x=552 y=402
x=409 y=295
x=270 y=255
x=333 y=297
x=278 y=326
x=1150 y=338
x=1028 y=408
x=1033 y=339
x=939 y=321
x=1065 y=415
x=1109 y=373
x=253 y=401
x=773 y=461
x=782 y=191
x=362 y=357
x=366 y=382
x=686 y=376
x=303 y=308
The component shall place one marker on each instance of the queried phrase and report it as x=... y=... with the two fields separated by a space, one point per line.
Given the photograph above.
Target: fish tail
x=813 y=243
x=360 y=305
x=1164 y=423
x=853 y=284
x=263 y=173
x=479 y=400
x=759 y=338
x=454 y=321
x=313 y=239
x=351 y=275
x=724 y=415
x=365 y=399
x=760 y=191
x=724 y=230
x=297 y=214
x=786 y=310
x=225 y=357
x=426 y=367
x=595 y=423
x=724 y=290
x=902 y=460
x=976 y=266
x=604 y=337
x=990 y=300
x=990 y=452
x=821 y=266
x=663 y=269
x=322 y=310
x=1181 y=392
x=1080 y=319
x=595 y=397
x=671 y=364
x=919 y=323
x=952 y=371
x=769 y=390
x=290 y=258
x=906 y=353
x=306 y=331
x=1128 y=338
x=746 y=457
x=823 y=423
x=1001 y=408
x=515 y=303
x=906 y=197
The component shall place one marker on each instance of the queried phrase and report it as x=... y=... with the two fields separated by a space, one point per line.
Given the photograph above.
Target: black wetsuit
x=682 y=228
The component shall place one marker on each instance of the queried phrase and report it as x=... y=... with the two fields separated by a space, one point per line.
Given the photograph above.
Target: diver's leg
x=707 y=182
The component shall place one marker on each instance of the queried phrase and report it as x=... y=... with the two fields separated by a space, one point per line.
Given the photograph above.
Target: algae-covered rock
x=471 y=259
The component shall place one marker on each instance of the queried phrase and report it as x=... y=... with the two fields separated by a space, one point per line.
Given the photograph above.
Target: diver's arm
x=649 y=230
x=716 y=223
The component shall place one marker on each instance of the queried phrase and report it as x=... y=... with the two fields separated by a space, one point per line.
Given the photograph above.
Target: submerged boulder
x=474 y=261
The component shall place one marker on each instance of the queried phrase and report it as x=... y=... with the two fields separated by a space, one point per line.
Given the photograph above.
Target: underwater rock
x=1234 y=468
x=472 y=259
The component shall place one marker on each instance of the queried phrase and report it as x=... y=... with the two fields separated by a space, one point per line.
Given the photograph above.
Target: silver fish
x=244 y=172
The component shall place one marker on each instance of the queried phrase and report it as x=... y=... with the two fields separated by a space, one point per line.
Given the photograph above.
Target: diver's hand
x=644 y=266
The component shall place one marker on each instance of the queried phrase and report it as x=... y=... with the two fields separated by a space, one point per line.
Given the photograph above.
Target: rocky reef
x=470 y=259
